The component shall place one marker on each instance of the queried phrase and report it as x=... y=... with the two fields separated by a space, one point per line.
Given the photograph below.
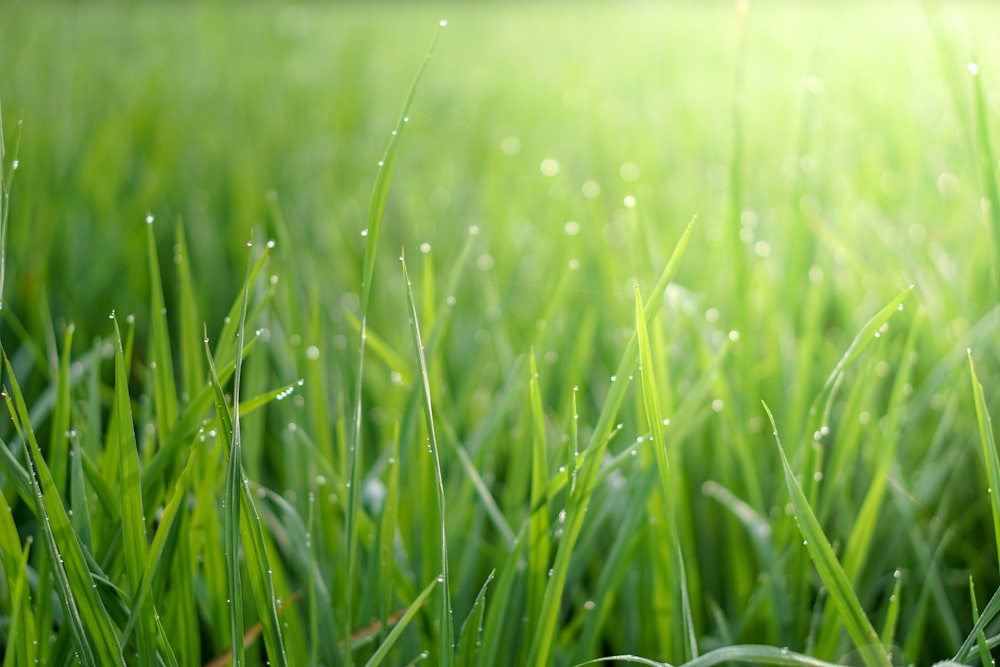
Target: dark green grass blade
x=411 y=611
x=655 y=423
x=500 y=609
x=93 y=632
x=58 y=437
x=376 y=213
x=856 y=621
x=984 y=652
x=991 y=461
x=447 y=630
x=133 y=519
x=544 y=636
x=470 y=637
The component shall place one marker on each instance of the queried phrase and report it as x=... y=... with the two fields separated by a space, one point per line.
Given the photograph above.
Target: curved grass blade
x=20 y=639
x=745 y=653
x=856 y=621
x=376 y=212
x=990 y=612
x=989 y=449
x=133 y=519
x=447 y=628
x=655 y=423
x=383 y=649
x=92 y=629
x=576 y=510
x=470 y=637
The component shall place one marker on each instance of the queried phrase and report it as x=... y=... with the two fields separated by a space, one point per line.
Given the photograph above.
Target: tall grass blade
x=133 y=519
x=21 y=644
x=990 y=611
x=986 y=163
x=984 y=651
x=163 y=371
x=991 y=460
x=832 y=574
x=544 y=637
x=656 y=423
x=93 y=632
x=539 y=544
x=411 y=611
x=446 y=621
x=376 y=213
x=471 y=635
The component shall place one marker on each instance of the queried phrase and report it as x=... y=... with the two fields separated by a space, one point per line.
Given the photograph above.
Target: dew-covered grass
x=636 y=333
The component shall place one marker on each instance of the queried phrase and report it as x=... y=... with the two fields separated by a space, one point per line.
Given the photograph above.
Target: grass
x=549 y=436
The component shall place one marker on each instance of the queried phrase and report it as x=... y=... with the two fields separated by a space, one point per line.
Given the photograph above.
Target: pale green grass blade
x=160 y=355
x=85 y=613
x=539 y=543
x=832 y=574
x=388 y=525
x=21 y=643
x=471 y=635
x=133 y=519
x=376 y=213
x=888 y=634
x=656 y=424
x=544 y=637
x=991 y=460
x=446 y=620
x=381 y=349
x=411 y=611
x=986 y=163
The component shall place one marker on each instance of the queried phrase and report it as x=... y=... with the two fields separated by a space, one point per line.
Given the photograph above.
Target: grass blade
x=383 y=649
x=539 y=543
x=447 y=629
x=656 y=423
x=93 y=632
x=20 y=640
x=133 y=519
x=470 y=637
x=986 y=163
x=991 y=461
x=544 y=637
x=858 y=626
x=376 y=213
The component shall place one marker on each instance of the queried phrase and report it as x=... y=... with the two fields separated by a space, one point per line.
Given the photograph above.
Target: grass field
x=690 y=360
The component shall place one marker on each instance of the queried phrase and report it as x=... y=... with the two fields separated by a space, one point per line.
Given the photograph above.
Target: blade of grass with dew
x=831 y=573
x=859 y=542
x=383 y=650
x=500 y=611
x=471 y=635
x=5 y=202
x=888 y=635
x=133 y=518
x=984 y=652
x=544 y=636
x=21 y=644
x=656 y=423
x=246 y=523
x=376 y=212
x=447 y=630
x=991 y=461
x=990 y=612
x=539 y=543
x=163 y=371
x=85 y=613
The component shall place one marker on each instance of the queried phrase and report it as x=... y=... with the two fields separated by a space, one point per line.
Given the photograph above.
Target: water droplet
x=149 y=218
x=15 y=164
x=312 y=352
x=973 y=68
x=364 y=232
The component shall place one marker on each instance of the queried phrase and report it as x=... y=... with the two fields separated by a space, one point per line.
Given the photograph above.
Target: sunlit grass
x=548 y=436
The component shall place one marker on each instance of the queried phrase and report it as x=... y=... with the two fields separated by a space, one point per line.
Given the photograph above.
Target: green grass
x=641 y=244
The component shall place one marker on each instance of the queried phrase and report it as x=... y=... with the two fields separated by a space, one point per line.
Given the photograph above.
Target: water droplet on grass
x=973 y=68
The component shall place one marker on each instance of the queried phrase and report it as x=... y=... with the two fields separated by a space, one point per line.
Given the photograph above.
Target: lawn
x=689 y=358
